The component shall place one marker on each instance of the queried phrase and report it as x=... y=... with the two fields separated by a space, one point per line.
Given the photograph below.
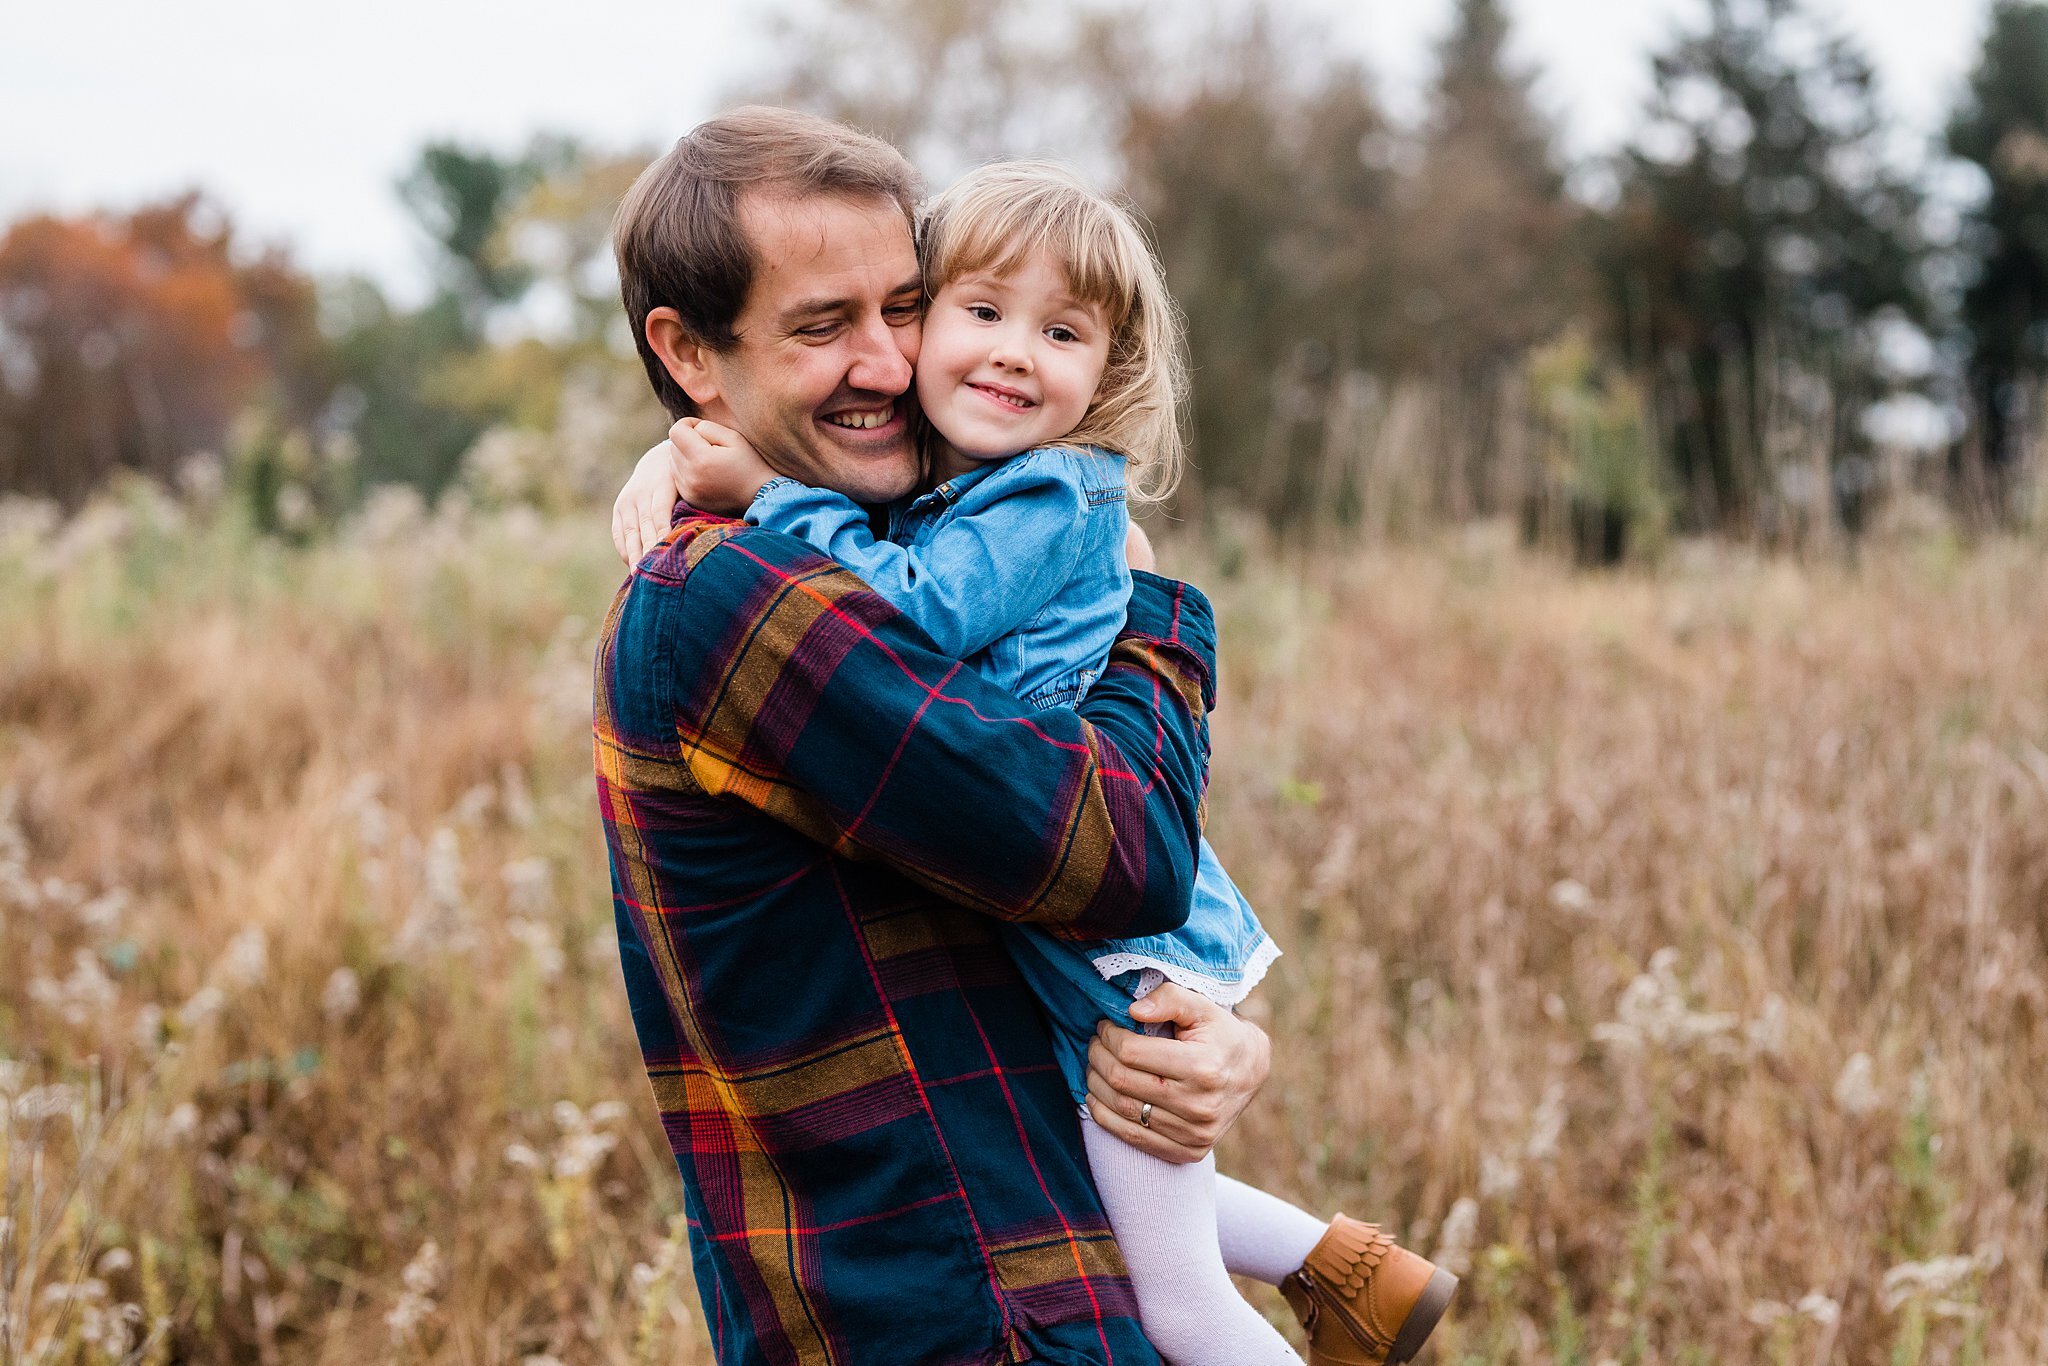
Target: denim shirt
x=1015 y=568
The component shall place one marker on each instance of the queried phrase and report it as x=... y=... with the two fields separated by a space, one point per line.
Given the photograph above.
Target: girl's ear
x=687 y=360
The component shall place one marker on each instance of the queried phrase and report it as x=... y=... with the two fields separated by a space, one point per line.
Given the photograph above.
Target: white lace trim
x=1111 y=965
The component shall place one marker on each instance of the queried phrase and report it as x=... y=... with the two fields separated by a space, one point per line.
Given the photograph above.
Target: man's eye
x=819 y=331
x=903 y=313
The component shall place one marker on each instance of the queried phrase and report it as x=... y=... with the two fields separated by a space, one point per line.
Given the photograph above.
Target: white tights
x=1183 y=1230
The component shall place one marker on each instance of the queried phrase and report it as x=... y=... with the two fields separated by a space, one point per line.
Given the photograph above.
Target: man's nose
x=879 y=365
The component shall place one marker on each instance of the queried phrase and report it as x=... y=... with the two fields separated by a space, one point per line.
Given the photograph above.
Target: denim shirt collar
x=954 y=489
x=938 y=499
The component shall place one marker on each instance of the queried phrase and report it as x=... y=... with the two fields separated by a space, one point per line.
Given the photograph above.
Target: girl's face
x=1008 y=362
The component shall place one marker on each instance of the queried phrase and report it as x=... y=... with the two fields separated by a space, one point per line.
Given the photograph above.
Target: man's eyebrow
x=805 y=308
x=810 y=308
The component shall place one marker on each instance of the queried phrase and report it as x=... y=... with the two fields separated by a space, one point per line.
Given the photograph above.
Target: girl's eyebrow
x=990 y=279
x=1094 y=313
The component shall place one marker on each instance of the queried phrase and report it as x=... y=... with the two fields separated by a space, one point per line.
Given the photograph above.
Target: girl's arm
x=645 y=506
x=986 y=572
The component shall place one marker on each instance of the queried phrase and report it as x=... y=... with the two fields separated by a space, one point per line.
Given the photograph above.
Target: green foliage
x=461 y=197
x=1602 y=455
x=419 y=388
x=1567 y=1330
x=1924 y=1198
x=405 y=431
x=1649 y=1237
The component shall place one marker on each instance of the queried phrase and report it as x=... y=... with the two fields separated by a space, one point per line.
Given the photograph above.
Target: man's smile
x=862 y=419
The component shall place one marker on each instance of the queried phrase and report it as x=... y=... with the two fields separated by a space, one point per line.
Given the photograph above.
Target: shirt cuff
x=778 y=487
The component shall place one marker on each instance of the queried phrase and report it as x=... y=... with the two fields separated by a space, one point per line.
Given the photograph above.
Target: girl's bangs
x=998 y=238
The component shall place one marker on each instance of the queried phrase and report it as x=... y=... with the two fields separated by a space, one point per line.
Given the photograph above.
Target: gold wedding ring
x=1145 y=1114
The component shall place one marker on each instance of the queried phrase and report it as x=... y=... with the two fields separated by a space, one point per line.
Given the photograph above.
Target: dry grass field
x=1668 y=951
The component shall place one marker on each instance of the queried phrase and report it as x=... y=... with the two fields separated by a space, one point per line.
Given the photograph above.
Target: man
x=815 y=821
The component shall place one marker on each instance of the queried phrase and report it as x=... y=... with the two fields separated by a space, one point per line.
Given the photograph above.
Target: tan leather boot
x=1364 y=1299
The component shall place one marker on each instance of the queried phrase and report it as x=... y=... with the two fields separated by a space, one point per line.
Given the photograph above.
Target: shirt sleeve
x=985 y=572
x=805 y=694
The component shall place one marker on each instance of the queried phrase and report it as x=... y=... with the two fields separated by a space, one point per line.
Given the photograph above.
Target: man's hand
x=715 y=468
x=1198 y=1082
x=645 y=507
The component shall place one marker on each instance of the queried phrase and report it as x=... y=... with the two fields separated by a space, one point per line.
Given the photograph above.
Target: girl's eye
x=984 y=312
x=1059 y=332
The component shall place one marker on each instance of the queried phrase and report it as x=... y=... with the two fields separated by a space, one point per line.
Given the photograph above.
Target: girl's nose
x=1006 y=355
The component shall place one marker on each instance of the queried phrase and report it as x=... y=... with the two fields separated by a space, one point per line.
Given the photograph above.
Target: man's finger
x=1174 y=1059
x=1140 y=1084
x=1171 y=1003
x=1144 y=1140
x=1164 y=1121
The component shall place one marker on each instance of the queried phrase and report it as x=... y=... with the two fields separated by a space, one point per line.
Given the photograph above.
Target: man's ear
x=687 y=360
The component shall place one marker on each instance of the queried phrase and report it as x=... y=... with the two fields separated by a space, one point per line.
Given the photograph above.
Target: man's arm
x=802 y=693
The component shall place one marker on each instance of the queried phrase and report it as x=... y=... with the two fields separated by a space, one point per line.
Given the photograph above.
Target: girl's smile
x=1009 y=398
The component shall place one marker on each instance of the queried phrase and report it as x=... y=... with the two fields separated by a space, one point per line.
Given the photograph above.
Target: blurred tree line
x=156 y=341
x=1756 y=318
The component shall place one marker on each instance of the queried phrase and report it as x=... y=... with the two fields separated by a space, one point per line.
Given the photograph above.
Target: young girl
x=1050 y=369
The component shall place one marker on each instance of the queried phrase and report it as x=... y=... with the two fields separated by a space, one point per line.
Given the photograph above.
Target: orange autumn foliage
x=131 y=341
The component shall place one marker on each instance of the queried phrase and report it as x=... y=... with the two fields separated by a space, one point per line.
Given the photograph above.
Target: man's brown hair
x=678 y=236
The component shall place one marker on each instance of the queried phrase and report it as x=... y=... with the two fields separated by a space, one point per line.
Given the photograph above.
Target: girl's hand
x=714 y=467
x=645 y=507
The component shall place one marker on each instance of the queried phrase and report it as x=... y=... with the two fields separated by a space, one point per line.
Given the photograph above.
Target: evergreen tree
x=2002 y=127
x=1761 y=236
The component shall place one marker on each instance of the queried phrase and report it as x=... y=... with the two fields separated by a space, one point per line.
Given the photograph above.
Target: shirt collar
x=954 y=489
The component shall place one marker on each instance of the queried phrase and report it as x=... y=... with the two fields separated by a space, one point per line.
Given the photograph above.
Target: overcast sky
x=300 y=117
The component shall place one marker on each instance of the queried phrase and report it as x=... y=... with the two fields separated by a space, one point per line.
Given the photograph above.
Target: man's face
x=819 y=379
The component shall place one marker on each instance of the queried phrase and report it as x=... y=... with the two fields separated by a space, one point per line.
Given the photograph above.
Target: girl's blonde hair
x=998 y=217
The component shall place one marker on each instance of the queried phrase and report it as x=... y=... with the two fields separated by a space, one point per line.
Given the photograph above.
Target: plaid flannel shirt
x=815 y=821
